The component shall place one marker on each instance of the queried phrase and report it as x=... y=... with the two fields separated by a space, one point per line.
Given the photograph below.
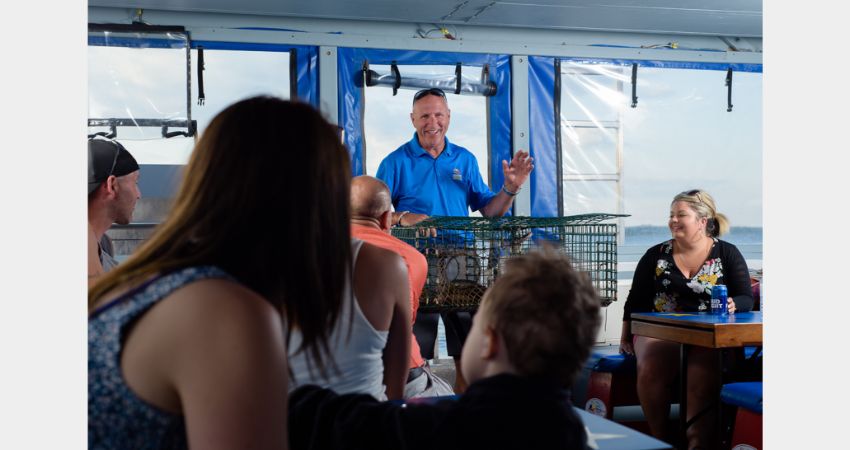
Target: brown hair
x=265 y=197
x=547 y=312
x=703 y=204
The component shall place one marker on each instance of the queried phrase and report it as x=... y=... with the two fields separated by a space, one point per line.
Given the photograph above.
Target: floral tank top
x=118 y=419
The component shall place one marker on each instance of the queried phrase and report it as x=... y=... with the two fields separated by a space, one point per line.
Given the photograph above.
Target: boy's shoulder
x=502 y=411
x=510 y=411
x=320 y=418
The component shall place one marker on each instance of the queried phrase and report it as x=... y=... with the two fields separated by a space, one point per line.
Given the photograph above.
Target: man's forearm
x=499 y=205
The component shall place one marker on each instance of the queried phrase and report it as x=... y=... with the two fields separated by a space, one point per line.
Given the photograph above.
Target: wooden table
x=702 y=329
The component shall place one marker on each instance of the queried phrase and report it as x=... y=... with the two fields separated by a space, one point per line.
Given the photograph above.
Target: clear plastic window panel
x=387 y=117
x=233 y=75
x=588 y=197
x=147 y=82
x=589 y=150
x=144 y=80
x=138 y=76
x=229 y=76
x=679 y=137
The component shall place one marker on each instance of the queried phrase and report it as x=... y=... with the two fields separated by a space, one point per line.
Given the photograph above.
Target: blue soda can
x=718 y=300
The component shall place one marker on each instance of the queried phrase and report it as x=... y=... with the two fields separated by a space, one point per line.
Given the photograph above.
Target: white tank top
x=357 y=351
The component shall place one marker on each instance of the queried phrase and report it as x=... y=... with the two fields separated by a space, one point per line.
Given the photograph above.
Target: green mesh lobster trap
x=466 y=254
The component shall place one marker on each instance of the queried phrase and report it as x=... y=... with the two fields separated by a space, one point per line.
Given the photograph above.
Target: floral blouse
x=659 y=285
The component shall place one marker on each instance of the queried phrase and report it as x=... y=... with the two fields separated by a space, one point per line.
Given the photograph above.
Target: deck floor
x=445 y=369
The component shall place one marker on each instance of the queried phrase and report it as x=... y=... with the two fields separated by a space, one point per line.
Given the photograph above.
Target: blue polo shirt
x=442 y=186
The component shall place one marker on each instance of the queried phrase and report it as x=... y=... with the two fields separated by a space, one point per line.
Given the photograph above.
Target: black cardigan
x=658 y=285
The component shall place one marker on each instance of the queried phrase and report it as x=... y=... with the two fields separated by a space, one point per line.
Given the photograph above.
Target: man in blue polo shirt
x=430 y=176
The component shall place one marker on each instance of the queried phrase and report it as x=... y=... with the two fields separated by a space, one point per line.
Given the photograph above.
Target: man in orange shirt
x=371 y=219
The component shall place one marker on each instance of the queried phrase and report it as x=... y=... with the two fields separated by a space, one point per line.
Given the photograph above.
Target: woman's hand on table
x=626 y=347
x=730 y=305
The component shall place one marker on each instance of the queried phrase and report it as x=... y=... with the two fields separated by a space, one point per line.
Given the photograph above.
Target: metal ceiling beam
x=339 y=33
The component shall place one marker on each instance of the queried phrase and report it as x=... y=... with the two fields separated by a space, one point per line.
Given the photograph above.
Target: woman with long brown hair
x=187 y=338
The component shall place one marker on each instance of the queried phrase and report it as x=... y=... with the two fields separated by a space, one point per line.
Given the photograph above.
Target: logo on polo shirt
x=456 y=175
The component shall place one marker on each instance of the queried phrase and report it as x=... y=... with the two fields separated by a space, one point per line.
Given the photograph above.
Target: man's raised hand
x=517 y=171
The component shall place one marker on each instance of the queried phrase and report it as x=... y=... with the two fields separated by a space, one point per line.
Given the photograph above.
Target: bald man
x=371 y=219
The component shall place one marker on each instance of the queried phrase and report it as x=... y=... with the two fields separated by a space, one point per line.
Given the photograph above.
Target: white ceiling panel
x=734 y=18
x=635 y=19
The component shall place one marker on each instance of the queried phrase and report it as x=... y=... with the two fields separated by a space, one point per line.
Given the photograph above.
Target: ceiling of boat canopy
x=731 y=18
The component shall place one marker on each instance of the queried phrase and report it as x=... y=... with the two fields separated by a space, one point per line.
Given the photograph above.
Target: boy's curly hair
x=547 y=312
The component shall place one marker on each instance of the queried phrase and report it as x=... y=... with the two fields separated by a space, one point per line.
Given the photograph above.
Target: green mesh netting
x=466 y=254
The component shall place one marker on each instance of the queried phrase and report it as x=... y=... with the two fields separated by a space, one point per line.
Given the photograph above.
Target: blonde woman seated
x=678 y=275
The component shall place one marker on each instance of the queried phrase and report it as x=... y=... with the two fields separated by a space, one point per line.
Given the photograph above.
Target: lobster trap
x=466 y=254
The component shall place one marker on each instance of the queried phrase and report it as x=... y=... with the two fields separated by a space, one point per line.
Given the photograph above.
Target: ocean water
x=650 y=234
x=639 y=238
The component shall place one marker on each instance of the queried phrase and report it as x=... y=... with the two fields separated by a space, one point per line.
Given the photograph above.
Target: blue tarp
x=737 y=67
x=350 y=63
x=541 y=132
x=102 y=40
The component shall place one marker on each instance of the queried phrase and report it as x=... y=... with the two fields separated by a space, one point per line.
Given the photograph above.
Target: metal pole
x=519 y=125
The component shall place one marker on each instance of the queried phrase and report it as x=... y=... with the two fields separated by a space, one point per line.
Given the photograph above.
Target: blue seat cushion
x=750 y=351
x=615 y=364
x=423 y=400
x=593 y=359
x=746 y=395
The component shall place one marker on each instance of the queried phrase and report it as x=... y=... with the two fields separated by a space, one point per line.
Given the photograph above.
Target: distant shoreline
x=653 y=234
x=639 y=238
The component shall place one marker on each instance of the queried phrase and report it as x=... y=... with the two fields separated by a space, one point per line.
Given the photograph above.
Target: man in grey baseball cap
x=113 y=192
